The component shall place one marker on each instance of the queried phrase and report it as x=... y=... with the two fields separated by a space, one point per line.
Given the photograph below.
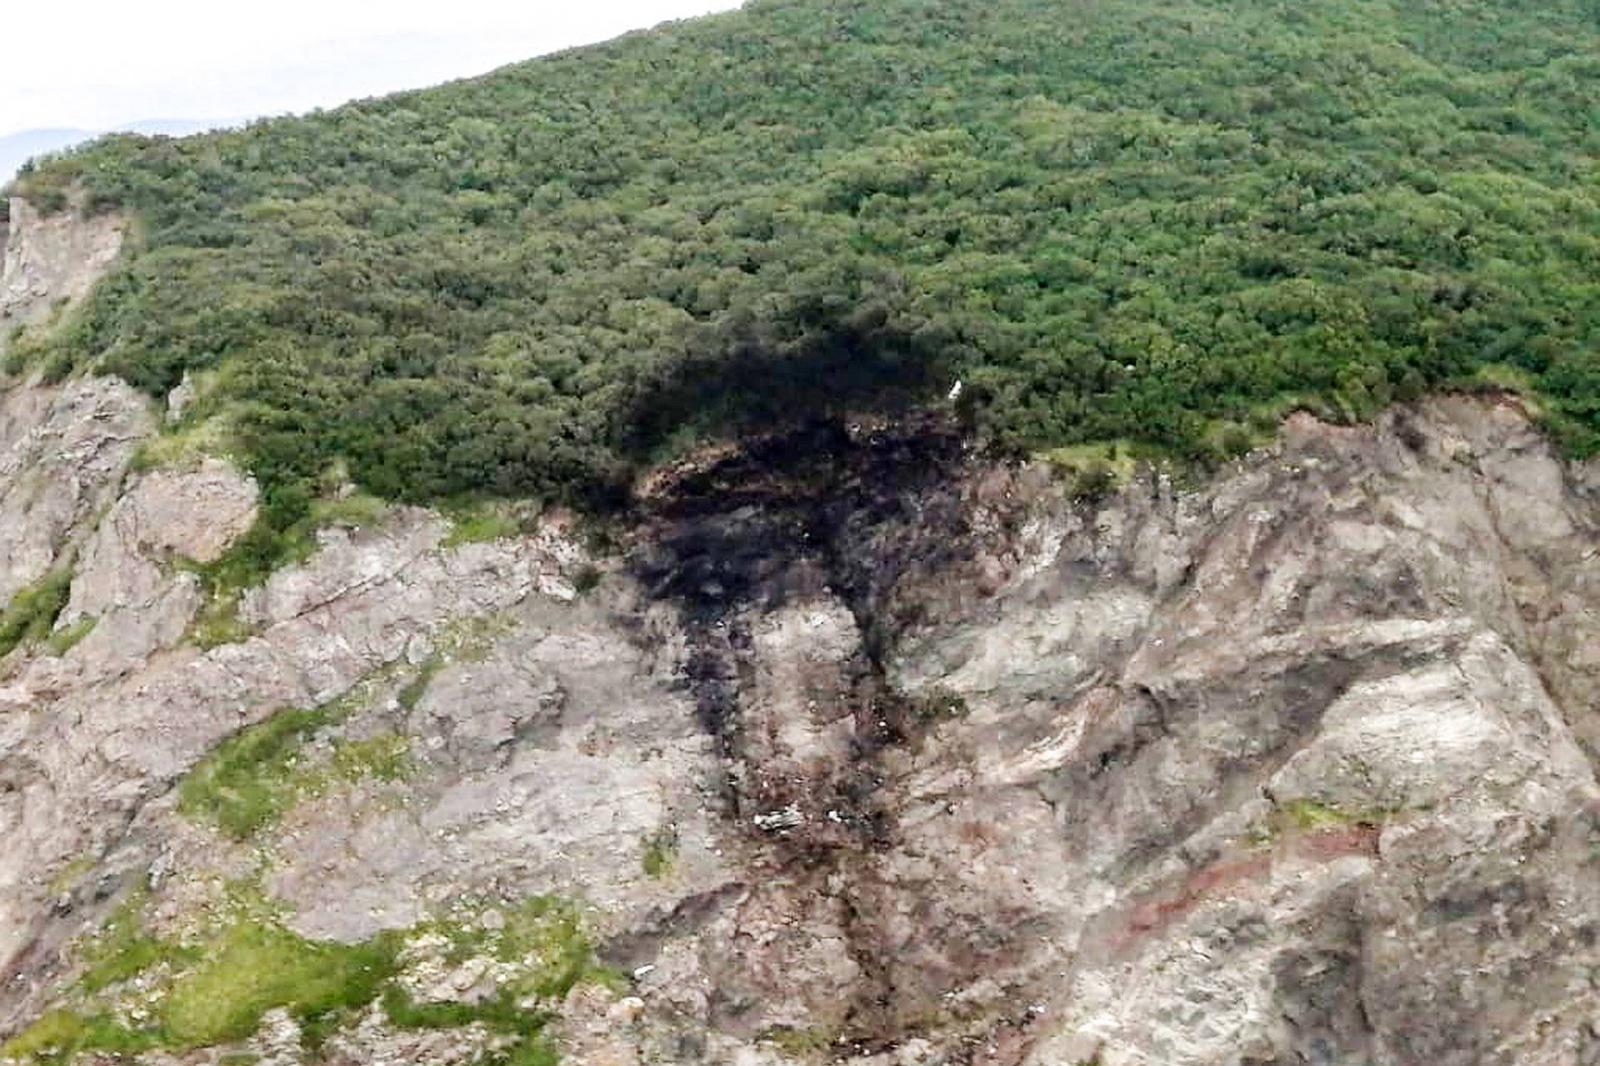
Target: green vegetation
x=1303 y=815
x=796 y=1043
x=545 y=933
x=123 y=948
x=216 y=987
x=218 y=622
x=500 y=1013
x=284 y=532
x=660 y=852
x=1093 y=471
x=29 y=345
x=382 y=758
x=417 y=687
x=356 y=511
x=32 y=612
x=68 y=876
x=251 y=779
x=1309 y=814
x=255 y=966
x=60 y=1035
x=68 y=637
x=1160 y=222
x=182 y=446
x=1306 y=814
x=281 y=534
x=479 y=523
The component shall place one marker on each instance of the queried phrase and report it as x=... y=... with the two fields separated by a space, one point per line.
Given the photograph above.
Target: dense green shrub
x=1132 y=220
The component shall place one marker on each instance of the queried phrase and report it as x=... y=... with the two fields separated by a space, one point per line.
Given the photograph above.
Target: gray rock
x=63 y=451
x=50 y=262
x=1297 y=766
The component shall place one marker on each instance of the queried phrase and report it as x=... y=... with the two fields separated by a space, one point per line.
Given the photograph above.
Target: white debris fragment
x=783 y=818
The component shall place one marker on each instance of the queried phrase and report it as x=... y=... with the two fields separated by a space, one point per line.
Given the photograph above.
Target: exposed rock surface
x=861 y=749
x=62 y=450
x=1297 y=767
x=49 y=261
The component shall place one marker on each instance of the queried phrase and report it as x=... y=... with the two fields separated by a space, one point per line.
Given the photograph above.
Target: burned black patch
x=870 y=517
x=826 y=509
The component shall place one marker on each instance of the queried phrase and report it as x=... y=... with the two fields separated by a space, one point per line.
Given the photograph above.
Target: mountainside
x=503 y=574
x=847 y=745
x=1162 y=222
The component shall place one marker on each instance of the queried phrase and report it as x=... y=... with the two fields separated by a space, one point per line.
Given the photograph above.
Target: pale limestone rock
x=179 y=399
x=50 y=261
x=63 y=451
x=128 y=577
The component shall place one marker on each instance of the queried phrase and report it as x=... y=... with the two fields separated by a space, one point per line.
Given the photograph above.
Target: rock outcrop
x=852 y=746
x=50 y=261
x=62 y=450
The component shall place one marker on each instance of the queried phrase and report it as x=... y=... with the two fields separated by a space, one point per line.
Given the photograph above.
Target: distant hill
x=17 y=148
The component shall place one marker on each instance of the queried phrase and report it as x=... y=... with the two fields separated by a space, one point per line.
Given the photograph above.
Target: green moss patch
x=543 y=934
x=382 y=758
x=1092 y=471
x=66 y=638
x=218 y=622
x=123 y=949
x=59 y=1036
x=660 y=852
x=251 y=779
x=798 y=1043
x=32 y=612
x=257 y=966
x=1306 y=815
x=215 y=987
x=479 y=522
x=356 y=511
x=1310 y=814
x=542 y=942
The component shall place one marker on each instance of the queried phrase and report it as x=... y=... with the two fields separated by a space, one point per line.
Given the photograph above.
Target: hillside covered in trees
x=1162 y=223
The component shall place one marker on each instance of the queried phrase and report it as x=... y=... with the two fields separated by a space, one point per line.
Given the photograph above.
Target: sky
x=95 y=64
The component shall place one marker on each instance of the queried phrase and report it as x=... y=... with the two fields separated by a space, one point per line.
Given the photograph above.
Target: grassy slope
x=1123 y=219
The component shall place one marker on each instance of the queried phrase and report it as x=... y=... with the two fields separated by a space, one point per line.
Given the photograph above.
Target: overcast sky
x=93 y=64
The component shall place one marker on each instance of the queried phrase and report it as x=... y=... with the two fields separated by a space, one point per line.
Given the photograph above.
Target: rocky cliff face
x=849 y=746
x=47 y=262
